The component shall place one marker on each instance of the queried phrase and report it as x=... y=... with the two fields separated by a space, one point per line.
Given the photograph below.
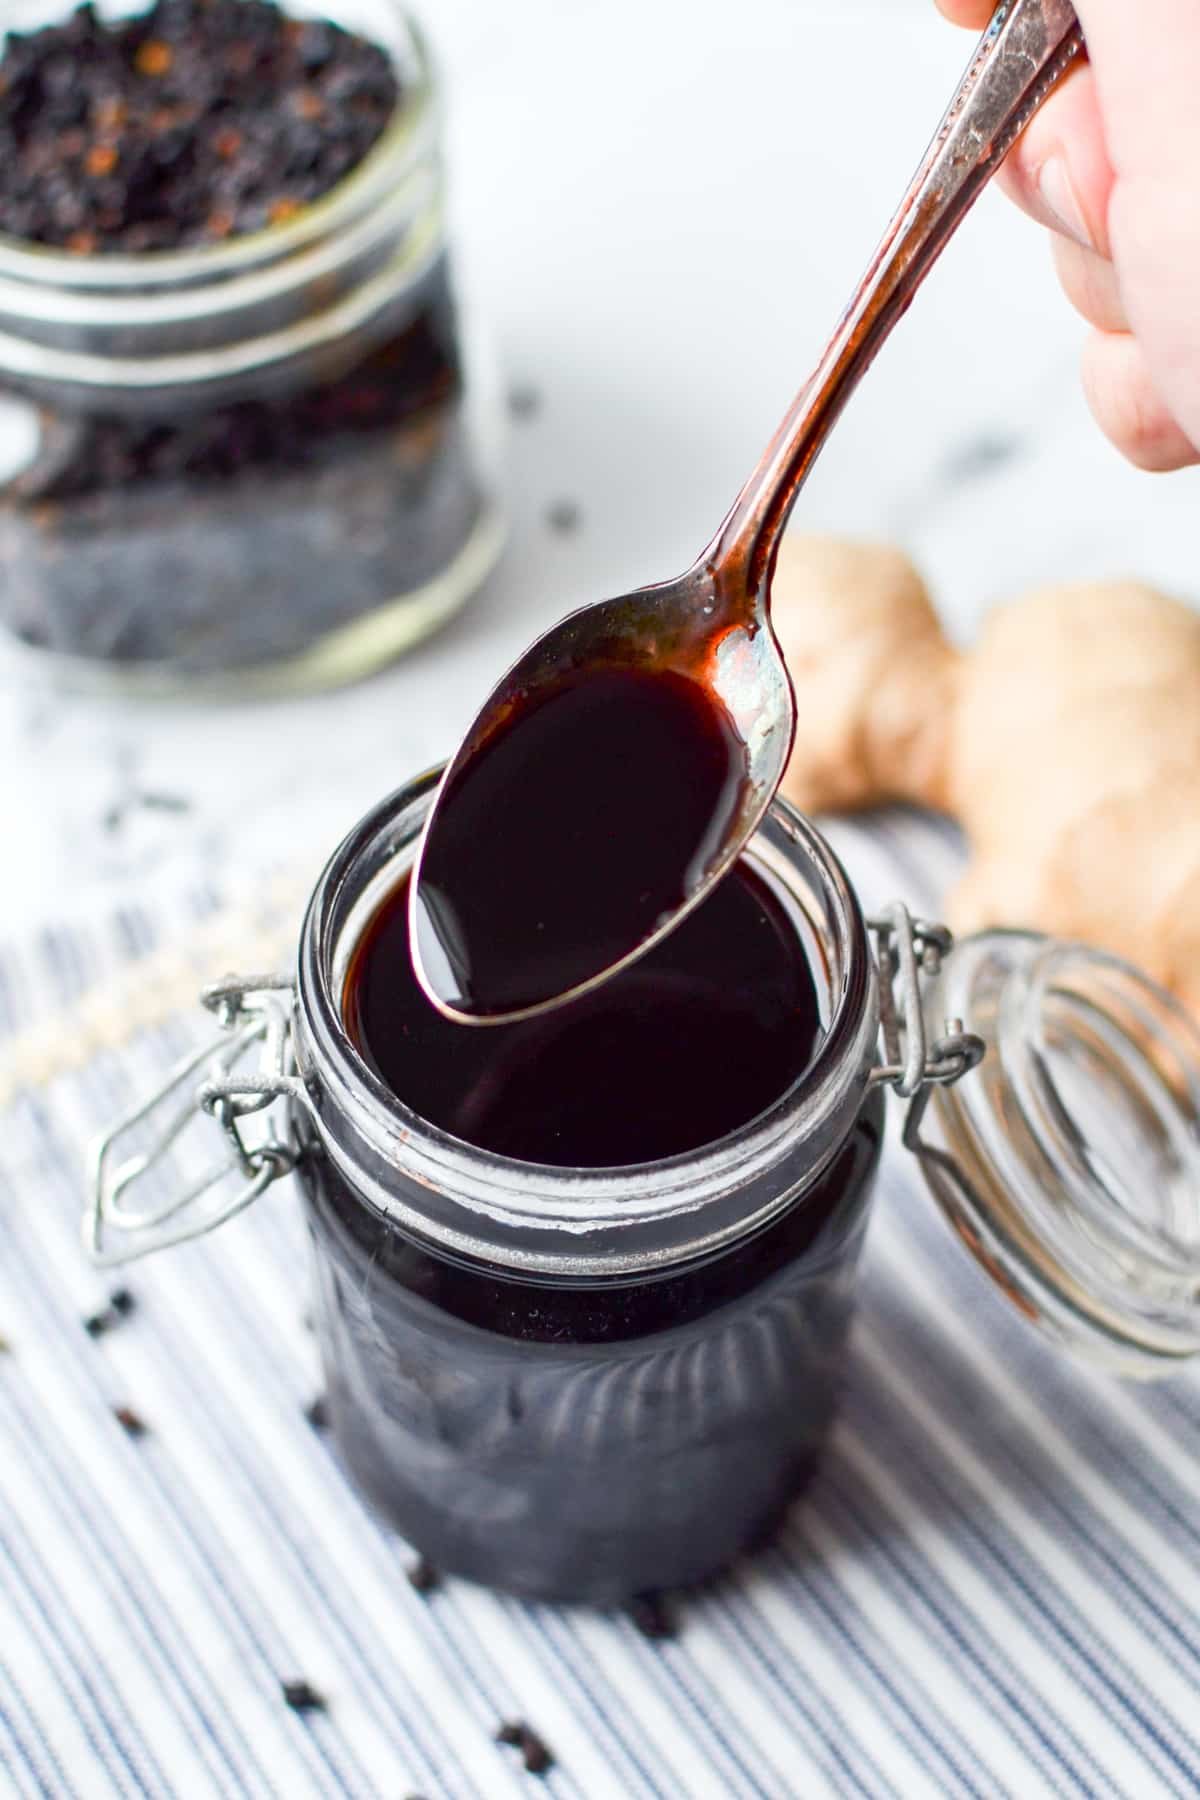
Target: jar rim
x=582 y=1222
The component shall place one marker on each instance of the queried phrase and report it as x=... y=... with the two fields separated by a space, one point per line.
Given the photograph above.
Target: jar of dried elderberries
x=257 y=454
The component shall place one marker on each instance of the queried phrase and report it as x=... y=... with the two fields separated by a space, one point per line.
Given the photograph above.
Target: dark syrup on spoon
x=593 y=811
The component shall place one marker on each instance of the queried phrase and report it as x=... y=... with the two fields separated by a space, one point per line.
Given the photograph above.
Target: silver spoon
x=712 y=624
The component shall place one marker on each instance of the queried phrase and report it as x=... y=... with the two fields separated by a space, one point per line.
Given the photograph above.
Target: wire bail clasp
x=910 y=952
x=242 y=1073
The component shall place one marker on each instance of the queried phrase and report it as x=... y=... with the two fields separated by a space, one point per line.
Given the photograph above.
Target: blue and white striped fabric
x=993 y=1587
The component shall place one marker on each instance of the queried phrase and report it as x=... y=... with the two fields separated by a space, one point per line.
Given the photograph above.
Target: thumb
x=1128 y=116
x=1060 y=172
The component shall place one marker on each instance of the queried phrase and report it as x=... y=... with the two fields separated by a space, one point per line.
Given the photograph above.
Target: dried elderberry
x=183 y=125
x=651 y=1615
x=423 y=1577
x=302 y=1696
x=535 y=1752
x=120 y=1305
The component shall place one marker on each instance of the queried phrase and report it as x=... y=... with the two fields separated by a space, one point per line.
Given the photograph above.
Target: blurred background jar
x=261 y=464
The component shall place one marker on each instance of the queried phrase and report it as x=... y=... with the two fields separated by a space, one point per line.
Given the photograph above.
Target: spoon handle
x=1025 y=52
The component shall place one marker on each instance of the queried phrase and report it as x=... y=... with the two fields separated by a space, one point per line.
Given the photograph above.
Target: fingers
x=1106 y=166
x=1126 y=405
x=1090 y=284
x=1147 y=59
x=1151 y=48
x=1059 y=172
x=1156 y=234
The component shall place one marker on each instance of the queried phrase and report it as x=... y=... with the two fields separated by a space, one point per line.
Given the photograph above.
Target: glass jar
x=1070 y=1166
x=264 y=465
x=583 y=1385
x=579 y=1385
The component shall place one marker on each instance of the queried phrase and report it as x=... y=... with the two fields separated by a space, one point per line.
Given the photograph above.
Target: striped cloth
x=991 y=1589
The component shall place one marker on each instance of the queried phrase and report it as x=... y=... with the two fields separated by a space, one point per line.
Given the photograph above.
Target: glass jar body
x=587 y=1442
x=580 y=1384
x=262 y=466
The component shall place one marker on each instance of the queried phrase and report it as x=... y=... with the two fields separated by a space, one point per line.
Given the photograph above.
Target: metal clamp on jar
x=578 y=1384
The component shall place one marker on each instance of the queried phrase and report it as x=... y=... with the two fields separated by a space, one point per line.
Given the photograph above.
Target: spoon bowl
x=493 y=939
x=694 y=631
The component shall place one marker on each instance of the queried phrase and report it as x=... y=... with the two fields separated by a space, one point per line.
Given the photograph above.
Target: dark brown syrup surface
x=692 y=1041
x=594 y=810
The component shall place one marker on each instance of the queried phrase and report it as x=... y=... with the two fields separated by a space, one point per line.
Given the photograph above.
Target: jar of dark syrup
x=577 y=1376
x=579 y=1382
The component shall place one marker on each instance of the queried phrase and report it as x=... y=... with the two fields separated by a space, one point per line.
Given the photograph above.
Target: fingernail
x=1054 y=186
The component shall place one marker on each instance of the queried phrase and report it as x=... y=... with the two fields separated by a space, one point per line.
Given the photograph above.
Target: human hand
x=1111 y=165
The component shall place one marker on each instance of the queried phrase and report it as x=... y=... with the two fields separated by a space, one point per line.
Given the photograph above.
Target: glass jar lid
x=1069 y=1165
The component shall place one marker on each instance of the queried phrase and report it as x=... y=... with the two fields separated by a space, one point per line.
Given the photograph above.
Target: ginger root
x=1067 y=743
